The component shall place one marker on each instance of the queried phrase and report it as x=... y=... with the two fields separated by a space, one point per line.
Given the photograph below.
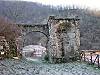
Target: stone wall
x=64 y=40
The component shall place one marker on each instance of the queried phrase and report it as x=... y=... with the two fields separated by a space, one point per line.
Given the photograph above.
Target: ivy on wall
x=64 y=26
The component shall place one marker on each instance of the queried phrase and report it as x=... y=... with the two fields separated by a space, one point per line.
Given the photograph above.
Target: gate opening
x=34 y=52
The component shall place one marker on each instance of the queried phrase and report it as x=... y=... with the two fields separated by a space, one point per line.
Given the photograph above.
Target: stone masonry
x=63 y=37
x=64 y=40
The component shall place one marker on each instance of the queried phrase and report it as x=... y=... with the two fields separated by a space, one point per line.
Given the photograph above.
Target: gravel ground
x=23 y=67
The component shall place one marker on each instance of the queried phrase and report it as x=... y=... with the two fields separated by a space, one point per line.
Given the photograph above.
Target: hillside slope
x=29 y=12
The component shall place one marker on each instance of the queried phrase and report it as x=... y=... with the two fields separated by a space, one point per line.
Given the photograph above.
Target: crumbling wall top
x=54 y=18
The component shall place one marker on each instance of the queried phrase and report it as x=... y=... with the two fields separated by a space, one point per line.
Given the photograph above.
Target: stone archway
x=35 y=45
x=56 y=48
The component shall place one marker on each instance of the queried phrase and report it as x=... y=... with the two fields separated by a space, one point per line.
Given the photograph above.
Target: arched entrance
x=35 y=45
x=35 y=38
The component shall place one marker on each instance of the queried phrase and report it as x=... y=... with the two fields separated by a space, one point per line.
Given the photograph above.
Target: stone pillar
x=54 y=40
x=53 y=43
x=64 y=39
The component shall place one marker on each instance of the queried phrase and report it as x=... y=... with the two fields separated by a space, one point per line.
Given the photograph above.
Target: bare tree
x=10 y=31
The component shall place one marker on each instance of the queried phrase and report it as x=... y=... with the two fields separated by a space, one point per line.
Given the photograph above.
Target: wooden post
x=80 y=56
x=84 y=55
x=98 y=60
x=91 y=58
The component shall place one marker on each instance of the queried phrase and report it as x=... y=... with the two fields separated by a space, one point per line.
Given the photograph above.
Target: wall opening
x=35 y=44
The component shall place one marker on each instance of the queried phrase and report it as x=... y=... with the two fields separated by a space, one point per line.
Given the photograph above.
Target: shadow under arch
x=47 y=36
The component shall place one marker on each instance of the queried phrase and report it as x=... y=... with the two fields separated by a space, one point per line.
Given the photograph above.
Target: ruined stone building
x=63 y=37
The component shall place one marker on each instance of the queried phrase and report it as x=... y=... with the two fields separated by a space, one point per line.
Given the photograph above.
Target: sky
x=91 y=4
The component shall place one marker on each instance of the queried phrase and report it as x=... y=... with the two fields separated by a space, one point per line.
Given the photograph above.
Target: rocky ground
x=23 y=67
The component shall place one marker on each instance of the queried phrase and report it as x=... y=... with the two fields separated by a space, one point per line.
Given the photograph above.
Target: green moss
x=46 y=58
x=64 y=26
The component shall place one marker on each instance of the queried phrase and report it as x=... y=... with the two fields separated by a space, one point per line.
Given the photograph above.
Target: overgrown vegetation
x=64 y=26
x=10 y=32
